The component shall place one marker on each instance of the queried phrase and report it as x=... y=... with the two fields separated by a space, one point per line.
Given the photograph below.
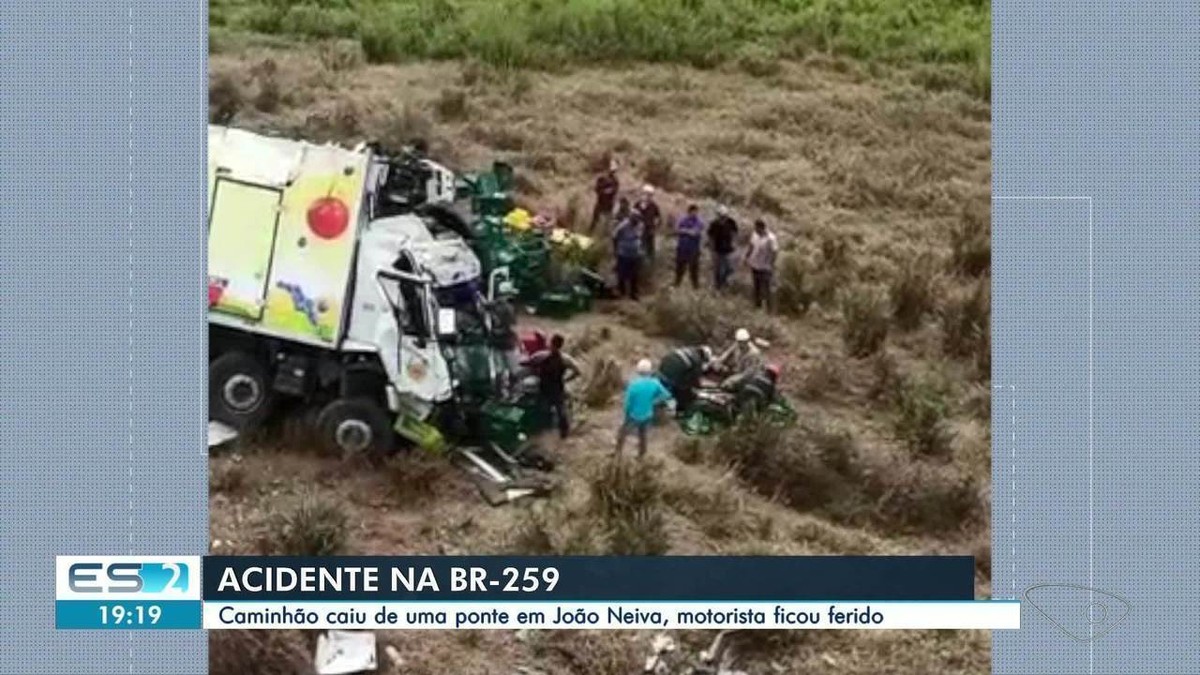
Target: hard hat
x=742 y=335
x=645 y=367
x=648 y=189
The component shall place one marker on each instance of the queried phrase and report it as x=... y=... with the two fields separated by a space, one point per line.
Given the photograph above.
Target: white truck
x=324 y=286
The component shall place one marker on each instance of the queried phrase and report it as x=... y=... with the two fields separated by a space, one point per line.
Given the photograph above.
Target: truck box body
x=284 y=219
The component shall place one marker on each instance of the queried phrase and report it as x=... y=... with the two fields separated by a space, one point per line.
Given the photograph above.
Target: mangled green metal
x=702 y=420
x=548 y=286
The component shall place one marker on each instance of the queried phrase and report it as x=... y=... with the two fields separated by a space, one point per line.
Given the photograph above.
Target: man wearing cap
x=607 y=186
x=650 y=215
x=722 y=234
x=688 y=234
x=641 y=396
x=741 y=360
x=681 y=371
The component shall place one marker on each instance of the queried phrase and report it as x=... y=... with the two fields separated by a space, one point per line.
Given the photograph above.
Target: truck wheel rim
x=242 y=393
x=353 y=436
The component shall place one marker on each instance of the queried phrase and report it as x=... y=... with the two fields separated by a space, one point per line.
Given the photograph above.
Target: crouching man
x=681 y=371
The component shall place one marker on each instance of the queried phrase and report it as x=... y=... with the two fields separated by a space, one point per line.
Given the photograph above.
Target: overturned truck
x=347 y=281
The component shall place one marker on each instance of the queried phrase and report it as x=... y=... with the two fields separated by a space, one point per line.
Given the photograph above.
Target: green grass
x=948 y=41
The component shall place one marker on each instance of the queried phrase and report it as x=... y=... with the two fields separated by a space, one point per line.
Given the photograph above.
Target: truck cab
x=336 y=280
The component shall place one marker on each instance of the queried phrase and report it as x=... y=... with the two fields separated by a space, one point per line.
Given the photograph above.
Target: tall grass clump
x=627 y=498
x=913 y=293
x=966 y=326
x=921 y=418
x=865 y=320
x=312 y=526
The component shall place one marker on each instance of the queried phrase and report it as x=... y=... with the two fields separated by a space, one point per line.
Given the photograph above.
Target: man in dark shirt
x=607 y=187
x=555 y=369
x=647 y=209
x=722 y=234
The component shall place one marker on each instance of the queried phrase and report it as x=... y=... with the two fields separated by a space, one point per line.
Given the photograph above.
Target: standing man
x=641 y=396
x=688 y=233
x=503 y=328
x=627 y=245
x=607 y=186
x=760 y=256
x=647 y=209
x=722 y=235
x=555 y=369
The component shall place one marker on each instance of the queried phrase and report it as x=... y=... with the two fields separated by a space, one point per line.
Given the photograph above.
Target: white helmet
x=644 y=367
x=648 y=189
x=742 y=335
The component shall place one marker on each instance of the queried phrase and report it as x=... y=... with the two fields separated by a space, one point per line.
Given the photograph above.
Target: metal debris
x=220 y=434
x=394 y=657
x=345 y=653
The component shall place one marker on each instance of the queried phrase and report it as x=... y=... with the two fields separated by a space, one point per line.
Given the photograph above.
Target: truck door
x=422 y=370
x=243 y=221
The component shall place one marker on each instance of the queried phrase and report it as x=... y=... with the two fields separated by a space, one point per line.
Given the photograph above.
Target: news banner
x=488 y=592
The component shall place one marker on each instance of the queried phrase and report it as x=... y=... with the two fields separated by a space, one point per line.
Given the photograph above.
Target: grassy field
x=947 y=42
x=877 y=183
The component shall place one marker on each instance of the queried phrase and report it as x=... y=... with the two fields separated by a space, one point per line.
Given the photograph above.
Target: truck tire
x=239 y=391
x=356 y=427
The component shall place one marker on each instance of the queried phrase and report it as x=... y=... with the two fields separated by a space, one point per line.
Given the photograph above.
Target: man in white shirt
x=760 y=256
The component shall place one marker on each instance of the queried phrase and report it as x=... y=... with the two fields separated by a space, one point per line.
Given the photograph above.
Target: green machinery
x=549 y=284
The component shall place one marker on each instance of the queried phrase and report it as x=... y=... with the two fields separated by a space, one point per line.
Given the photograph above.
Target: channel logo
x=127 y=577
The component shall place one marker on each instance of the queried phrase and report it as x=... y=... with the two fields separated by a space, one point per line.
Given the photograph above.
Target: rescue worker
x=607 y=186
x=555 y=369
x=641 y=396
x=740 y=361
x=650 y=215
x=758 y=390
x=681 y=370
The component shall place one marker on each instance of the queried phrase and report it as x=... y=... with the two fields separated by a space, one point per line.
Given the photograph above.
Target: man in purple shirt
x=689 y=232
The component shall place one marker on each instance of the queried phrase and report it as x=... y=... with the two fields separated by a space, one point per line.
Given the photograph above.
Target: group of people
x=634 y=231
x=674 y=384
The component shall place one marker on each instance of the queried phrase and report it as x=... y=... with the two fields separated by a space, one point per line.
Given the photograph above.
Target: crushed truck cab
x=327 y=286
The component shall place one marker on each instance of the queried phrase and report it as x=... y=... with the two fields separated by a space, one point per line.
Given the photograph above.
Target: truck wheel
x=239 y=393
x=356 y=427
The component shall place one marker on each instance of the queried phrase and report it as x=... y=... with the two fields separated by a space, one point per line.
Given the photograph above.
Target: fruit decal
x=216 y=289
x=328 y=217
x=303 y=304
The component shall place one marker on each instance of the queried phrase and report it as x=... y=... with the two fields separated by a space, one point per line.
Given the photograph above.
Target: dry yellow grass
x=859 y=176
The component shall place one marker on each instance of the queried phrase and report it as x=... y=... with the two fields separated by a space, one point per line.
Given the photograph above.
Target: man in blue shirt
x=641 y=396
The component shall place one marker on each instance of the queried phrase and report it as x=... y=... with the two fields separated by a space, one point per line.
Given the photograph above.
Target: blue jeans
x=722 y=269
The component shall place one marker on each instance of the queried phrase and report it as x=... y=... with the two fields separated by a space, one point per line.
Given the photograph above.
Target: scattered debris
x=394 y=657
x=345 y=653
x=219 y=434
